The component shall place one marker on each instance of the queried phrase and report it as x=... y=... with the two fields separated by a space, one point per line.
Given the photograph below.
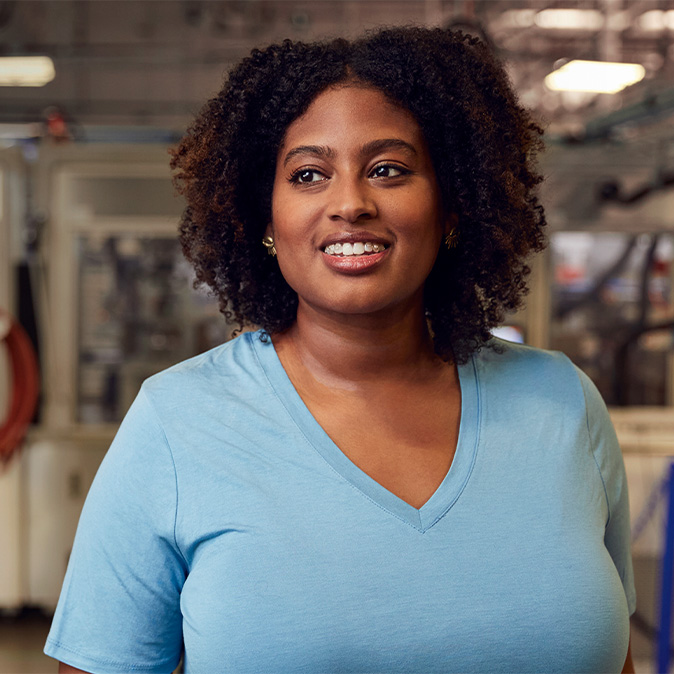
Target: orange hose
x=25 y=388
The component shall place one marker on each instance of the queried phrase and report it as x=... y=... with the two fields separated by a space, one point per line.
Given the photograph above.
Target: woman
x=359 y=486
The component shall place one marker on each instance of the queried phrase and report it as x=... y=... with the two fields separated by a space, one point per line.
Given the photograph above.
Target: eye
x=388 y=171
x=307 y=176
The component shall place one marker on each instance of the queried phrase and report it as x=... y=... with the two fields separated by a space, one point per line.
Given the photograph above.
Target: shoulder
x=226 y=365
x=219 y=387
x=501 y=351
x=541 y=386
x=528 y=371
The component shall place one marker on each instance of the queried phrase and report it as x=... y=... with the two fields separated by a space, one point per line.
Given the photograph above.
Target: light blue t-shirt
x=225 y=522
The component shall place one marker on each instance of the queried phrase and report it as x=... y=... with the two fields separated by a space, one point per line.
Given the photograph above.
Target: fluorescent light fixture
x=601 y=77
x=519 y=18
x=26 y=71
x=656 y=19
x=570 y=19
x=566 y=19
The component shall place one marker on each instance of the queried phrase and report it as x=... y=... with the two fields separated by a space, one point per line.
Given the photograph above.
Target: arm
x=67 y=669
x=628 y=667
x=124 y=560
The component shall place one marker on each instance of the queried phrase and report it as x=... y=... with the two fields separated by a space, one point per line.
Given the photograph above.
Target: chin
x=358 y=308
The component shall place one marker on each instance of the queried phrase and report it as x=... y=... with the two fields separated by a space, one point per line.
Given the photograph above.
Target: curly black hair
x=483 y=146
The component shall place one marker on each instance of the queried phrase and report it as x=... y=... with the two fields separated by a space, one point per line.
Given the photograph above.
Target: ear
x=269 y=231
x=450 y=222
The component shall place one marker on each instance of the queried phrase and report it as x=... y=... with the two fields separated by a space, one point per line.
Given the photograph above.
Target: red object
x=55 y=125
x=24 y=389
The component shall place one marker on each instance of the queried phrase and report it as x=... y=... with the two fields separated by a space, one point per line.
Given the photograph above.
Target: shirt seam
x=476 y=445
x=313 y=448
x=421 y=529
x=175 y=474
x=105 y=661
x=592 y=449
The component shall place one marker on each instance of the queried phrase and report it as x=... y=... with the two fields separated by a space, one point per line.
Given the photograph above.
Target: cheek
x=422 y=226
x=293 y=220
x=276 y=205
x=417 y=214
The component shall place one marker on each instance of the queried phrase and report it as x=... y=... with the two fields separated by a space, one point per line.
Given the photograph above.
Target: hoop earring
x=268 y=243
x=452 y=239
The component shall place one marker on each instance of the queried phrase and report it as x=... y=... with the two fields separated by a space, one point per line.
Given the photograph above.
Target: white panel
x=59 y=475
x=11 y=580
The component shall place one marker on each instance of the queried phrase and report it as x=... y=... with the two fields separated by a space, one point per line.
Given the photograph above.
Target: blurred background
x=92 y=280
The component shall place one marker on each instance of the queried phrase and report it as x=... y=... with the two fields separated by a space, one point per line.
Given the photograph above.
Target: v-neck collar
x=449 y=490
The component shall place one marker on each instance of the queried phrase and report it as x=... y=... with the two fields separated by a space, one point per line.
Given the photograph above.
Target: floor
x=22 y=637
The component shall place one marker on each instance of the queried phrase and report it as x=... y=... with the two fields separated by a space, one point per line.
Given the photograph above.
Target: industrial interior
x=88 y=219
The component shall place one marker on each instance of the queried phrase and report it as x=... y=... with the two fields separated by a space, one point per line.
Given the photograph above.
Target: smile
x=357 y=248
x=346 y=260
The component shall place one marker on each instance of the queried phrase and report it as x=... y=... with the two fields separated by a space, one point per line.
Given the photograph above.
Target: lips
x=361 y=236
x=354 y=252
x=358 y=248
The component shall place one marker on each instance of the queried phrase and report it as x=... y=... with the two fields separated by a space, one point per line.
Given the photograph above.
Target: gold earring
x=268 y=243
x=452 y=239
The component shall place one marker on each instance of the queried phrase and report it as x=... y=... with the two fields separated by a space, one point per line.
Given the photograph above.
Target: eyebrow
x=314 y=150
x=373 y=147
x=387 y=144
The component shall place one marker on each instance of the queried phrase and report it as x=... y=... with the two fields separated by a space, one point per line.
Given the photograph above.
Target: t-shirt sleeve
x=119 y=609
x=608 y=456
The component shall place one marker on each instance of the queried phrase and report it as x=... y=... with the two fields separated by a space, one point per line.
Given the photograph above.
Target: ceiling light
x=601 y=77
x=26 y=71
x=656 y=19
x=570 y=19
x=652 y=20
x=519 y=18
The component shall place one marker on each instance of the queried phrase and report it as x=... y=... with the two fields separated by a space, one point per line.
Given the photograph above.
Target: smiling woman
x=369 y=482
x=369 y=180
x=481 y=143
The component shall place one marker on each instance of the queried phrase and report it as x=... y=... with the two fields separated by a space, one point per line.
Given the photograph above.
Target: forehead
x=351 y=112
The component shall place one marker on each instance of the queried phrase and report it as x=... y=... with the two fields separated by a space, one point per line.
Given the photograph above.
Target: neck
x=348 y=351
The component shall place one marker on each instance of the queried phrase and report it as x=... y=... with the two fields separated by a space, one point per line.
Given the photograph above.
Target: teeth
x=358 y=248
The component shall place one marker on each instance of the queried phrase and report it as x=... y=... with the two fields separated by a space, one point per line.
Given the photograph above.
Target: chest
x=405 y=443
x=294 y=591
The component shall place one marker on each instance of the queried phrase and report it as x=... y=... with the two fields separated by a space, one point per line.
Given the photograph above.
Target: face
x=356 y=210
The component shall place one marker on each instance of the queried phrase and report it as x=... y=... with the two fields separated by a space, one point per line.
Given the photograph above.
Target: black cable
x=592 y=294
x=622 y=353
x=645 y=278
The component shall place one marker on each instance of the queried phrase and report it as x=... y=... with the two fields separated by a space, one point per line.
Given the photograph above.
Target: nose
x=351 y=201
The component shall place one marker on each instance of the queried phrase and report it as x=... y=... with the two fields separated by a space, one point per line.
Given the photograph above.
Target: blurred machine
x=114 y=304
